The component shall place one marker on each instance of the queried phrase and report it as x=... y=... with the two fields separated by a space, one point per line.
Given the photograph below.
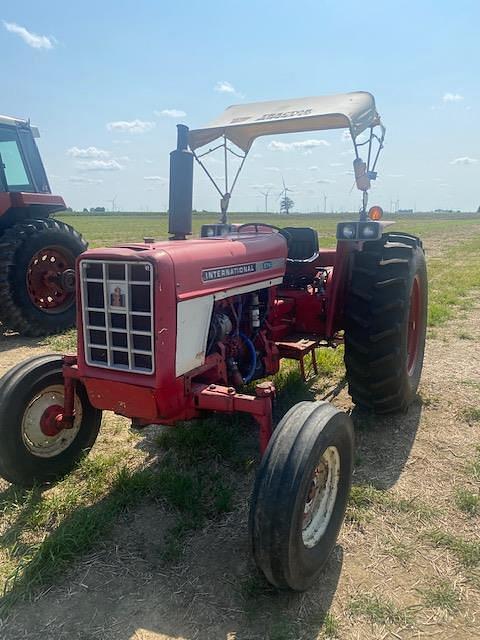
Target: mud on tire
x=18 y=245
x=385 y=323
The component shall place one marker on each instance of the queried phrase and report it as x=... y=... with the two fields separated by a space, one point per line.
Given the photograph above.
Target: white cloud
x=223 y=86
x=257 y=156
x=88 y=152
x=267 y=185
x=395 y=175
x=303 y=145
x=130 y=126
x=170 y=113
x=336 y=164
x=84 y=180
x=314 y=168
x=271 y=168
x=32 y=39
x=156 y=179
x=321 y=181
x=346 y=136
x=464 y=160
x=100 y=165
x=452 y=97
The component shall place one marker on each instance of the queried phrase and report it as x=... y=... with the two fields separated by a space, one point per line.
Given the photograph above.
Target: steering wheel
x=282 y=232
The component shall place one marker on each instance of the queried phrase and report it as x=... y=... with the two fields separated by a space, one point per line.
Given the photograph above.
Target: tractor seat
x=302 y=244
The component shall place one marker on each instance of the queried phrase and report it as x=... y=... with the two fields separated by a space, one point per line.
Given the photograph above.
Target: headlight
x=369 y=231
x=347 y=231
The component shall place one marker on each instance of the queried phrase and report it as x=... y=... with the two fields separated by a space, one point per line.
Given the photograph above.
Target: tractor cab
x=21 y=167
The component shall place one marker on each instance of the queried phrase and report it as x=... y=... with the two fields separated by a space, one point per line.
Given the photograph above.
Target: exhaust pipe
x=181 y=187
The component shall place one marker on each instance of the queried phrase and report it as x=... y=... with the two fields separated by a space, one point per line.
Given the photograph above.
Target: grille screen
x=117 y=300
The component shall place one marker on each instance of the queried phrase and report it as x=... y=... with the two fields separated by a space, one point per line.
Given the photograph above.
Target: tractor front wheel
x=37 y=276
x=35 y=448
x=386 y=322
x=300 y=494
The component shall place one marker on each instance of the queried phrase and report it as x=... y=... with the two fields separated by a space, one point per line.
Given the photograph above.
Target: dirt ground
x=122 y=592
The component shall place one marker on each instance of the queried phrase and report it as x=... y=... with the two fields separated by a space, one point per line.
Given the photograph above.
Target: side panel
x=193 y=322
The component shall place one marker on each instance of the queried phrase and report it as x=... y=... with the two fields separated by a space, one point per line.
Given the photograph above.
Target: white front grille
x=117 y=301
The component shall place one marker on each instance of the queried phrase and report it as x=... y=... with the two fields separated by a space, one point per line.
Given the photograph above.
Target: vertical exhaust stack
x=181 y=187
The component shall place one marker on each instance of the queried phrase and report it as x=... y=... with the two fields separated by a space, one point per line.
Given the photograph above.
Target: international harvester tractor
x=170 y=331
x=37 y=253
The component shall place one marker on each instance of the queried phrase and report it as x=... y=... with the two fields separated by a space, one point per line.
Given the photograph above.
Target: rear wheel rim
x=414 y=321
x=321 y=497
x=49 y=279
x=35 y=440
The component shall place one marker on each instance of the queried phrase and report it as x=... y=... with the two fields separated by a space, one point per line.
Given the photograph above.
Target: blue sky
x=76 y=68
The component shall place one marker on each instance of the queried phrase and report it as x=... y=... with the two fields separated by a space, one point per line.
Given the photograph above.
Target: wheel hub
x=45 y=433
x=51 y=422
x=321 y=497
x=51 y=279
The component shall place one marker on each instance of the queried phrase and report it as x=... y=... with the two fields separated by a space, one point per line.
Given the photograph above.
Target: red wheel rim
x=414 y=321
x=47 y=285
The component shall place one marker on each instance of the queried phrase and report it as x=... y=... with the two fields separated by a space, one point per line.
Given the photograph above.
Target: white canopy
x=242 y=123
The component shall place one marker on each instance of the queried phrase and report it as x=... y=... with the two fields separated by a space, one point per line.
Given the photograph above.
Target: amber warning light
x=375 y=213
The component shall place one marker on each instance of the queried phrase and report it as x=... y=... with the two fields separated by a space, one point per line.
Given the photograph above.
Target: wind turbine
x=265 y=194
x=112 y=202
x=284 y=197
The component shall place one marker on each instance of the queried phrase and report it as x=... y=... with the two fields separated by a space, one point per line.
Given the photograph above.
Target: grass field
x=408 y=511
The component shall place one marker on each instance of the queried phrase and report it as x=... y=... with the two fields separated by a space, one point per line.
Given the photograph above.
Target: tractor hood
x=242 y=123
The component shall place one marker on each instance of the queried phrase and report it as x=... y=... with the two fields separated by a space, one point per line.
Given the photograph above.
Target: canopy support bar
x=224 y=197
x=363 y=180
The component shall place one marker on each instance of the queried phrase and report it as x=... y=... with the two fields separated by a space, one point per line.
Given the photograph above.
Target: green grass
x=471 y=414
x=451 y=277
x=467 y=552
x=364 y=499
x=377 y=609
x=441 y=595
x=474 y=467
x=80 y=511
x=117 y=228
x=468 y=501
x=48 y=530
x=45 y=531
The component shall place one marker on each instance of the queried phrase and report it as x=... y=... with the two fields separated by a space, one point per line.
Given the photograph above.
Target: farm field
x=147 y=539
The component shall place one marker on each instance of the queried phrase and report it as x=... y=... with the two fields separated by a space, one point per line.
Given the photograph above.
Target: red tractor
x=37 y=253
x=169 y=331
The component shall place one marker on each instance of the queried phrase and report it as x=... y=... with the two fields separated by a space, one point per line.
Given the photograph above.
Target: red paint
x=162 y=398
x=226 y=399
x=51 y=422
x=44 y=279
x=23 y=200
x=336 y=289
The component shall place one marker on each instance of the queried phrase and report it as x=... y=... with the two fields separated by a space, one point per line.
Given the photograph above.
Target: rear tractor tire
x=33 y=450
x=300 y=494
x=386 y=322
x=37 y=276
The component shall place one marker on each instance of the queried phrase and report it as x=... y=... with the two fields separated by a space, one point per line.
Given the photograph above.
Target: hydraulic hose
x=253 y=354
